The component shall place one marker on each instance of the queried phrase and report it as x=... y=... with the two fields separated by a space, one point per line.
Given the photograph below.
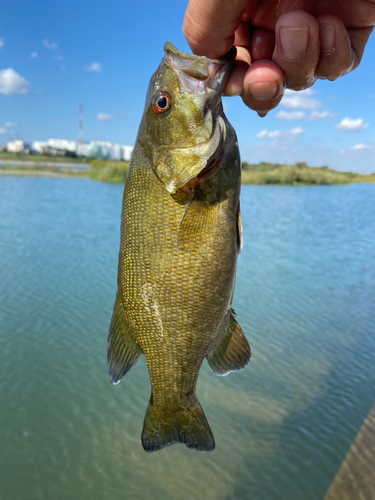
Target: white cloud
x=3 y=130
x=34 y=55
x=2 y=42
x=266 y=133
x=277 y=133
x=360 y=151
x=348 y=124
x=104 y=117
x=301 y=115
x=11 y=124
x=321 y=115
x=360 y=147
x=300 y=100
x=12 y=83
x=292 y=115
x=296 y=131
x=59 y=58
x=94 y=66
x=49 y=45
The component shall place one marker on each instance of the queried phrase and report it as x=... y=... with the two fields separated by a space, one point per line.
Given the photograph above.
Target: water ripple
x=304 y=296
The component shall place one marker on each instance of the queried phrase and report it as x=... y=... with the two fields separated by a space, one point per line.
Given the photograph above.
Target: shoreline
x=13 y=172
x=257 y=175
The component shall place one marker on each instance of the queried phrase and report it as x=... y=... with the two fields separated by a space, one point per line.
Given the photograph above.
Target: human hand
x=278 y=46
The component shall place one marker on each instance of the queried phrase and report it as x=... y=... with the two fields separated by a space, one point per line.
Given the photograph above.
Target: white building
x=116 y=152
x=127 y=152
x=15 y=146
x=38 y=146
x=105 y=150
x=55 y=145
x=103 y=144
x=63 y=144
x=100 y=149
x=82 y=148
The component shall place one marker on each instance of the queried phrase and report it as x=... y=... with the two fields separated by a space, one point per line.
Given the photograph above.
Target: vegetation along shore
x=115 y=171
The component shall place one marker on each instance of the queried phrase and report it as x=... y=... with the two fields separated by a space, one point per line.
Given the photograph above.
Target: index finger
x=209 y=25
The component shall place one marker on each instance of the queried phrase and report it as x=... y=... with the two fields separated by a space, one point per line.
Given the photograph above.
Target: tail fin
x=188 y=426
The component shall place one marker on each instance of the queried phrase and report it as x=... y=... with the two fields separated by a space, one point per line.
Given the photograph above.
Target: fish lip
x=213 y=73
x=230 y=56
x=218 y=81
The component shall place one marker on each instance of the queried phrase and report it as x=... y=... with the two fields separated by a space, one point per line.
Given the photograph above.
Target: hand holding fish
x=279 y=46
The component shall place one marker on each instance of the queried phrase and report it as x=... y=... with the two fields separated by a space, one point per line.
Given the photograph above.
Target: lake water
x=305 y=297
x=73 y=166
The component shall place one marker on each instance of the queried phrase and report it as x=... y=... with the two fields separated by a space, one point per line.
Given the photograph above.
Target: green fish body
x=180 y=237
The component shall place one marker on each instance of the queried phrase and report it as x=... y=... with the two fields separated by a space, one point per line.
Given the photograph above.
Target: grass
x=298 y=174
x=109 y=171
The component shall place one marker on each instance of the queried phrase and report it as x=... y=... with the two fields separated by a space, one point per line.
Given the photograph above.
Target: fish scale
x=177 y=262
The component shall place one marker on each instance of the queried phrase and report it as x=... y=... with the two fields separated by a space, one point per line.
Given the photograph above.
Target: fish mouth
x=205 y=78
x=205 y=73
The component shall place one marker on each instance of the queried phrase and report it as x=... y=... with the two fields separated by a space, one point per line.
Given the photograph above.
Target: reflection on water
x=305 y=298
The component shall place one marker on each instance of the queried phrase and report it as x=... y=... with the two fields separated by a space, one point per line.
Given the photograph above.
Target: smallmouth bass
x=181 y=234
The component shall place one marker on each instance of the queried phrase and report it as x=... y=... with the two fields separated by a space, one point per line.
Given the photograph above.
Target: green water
x=305 y=297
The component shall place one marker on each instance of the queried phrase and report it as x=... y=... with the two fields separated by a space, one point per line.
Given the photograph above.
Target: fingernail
x=232 y=91
x=294 y=42
x=327 y=38
x=263 y=91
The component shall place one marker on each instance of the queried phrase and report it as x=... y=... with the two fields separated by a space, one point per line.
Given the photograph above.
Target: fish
x=181 y=233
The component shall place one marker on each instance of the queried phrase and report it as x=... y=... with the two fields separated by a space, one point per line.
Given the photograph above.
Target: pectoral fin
x=197 y=223
x=123 y=351
x=233 y=353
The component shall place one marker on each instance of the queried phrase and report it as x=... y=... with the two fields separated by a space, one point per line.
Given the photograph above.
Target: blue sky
x=55 y=56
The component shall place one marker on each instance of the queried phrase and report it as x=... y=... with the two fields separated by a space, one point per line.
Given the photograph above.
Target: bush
x=298 y=174
x=109 y=171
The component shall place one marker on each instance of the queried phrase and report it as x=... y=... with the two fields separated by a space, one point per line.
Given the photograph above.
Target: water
x=305 y=297
x=13 y=163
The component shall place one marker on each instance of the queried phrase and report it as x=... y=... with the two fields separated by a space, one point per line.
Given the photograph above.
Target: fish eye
x=162 y=102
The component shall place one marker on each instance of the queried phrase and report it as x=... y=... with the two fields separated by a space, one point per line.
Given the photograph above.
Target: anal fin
x=233 y=352
x=123 y=351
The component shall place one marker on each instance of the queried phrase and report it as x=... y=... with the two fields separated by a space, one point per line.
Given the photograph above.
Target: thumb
x=209 y=25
